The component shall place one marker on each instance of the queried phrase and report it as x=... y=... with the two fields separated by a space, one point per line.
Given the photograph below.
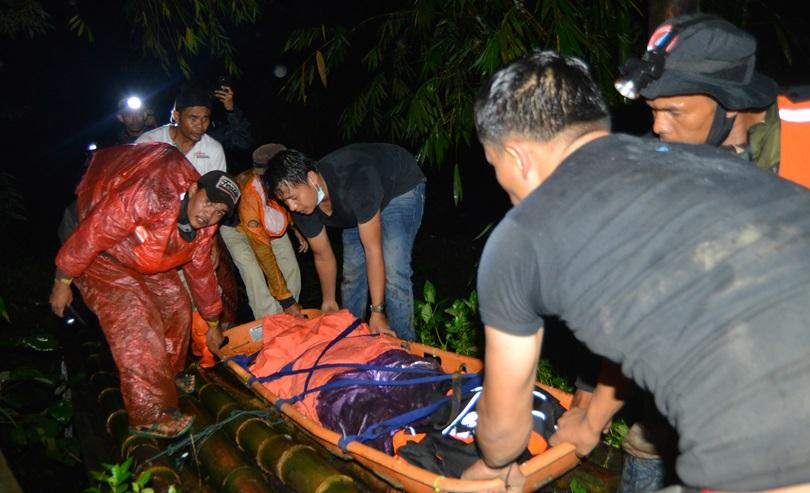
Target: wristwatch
x=377 y=308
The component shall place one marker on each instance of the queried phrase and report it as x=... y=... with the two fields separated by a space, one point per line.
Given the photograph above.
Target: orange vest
x=272 y=217
x=794 y=150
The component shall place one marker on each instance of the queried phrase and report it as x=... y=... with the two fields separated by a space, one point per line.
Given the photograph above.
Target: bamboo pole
x=228 y=471
x=298 y=466
x=248 y=400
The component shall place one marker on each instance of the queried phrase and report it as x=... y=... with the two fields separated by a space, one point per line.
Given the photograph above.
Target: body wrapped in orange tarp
x=287 y=338
x=124 y=256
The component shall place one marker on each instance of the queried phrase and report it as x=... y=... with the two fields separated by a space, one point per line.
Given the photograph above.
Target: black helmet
x=699 y=54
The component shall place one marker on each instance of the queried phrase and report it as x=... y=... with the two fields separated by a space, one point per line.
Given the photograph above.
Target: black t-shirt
x=689 y=267
x=362 y=179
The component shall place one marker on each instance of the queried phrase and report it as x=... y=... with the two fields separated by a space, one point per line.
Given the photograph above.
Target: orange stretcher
x=399 y=474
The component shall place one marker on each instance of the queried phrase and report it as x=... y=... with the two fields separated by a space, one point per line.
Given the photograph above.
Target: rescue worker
x=376 y=193
x=264 y=223
x=698 y=76
x=135 y=119
x=143 y=212
x=676 y=262
x=191 y=117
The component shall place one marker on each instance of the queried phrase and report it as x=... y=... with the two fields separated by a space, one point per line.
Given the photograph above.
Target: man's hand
x=573 y=427
x=214 y=338
x=511 y=475
x=379 y=324
x=294 y=310
x=225 y=96
x=303 y=244
x=329 y=307
x=61 y=296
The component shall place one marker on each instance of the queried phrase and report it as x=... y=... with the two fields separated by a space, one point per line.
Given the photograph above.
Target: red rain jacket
x=128 y=204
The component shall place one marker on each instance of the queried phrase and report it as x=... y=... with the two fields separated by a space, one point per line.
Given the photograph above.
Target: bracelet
x=377 y=308
x=212 y=323
x=66 y=280
x=508 y=472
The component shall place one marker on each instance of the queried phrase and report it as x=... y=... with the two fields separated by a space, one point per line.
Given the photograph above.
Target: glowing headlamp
x=134 y=103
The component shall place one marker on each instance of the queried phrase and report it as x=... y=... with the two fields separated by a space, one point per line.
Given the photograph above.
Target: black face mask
x=187 y=232
x=721 y=127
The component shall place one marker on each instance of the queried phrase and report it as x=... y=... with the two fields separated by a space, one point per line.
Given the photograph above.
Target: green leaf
x=319 y=61
x=62 y=412
x=25 y=374
x=429 y=292
x=40 y=342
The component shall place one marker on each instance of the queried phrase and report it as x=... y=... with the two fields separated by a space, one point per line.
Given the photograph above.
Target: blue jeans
x=400 y=220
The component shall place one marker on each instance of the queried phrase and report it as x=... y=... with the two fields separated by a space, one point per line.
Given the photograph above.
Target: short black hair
x=287 y=168
x=193 y=94
x=539 y=97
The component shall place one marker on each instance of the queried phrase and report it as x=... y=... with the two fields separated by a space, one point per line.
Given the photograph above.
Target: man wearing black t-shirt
x=376 y=194
x=682 y=264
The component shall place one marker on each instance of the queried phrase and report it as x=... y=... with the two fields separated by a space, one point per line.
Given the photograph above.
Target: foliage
x=548 y=375
x=169 y=32
x=618 y=429
x=426 y=61
x=453 y=328
x=35 y=409
x=575 y=487
x=23 y=17
x=116 y=479
x=174 y=31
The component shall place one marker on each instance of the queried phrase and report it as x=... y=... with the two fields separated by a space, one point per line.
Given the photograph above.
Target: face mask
x=320 y=194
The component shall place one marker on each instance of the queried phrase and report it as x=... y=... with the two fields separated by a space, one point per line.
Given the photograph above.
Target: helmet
x=699 y=54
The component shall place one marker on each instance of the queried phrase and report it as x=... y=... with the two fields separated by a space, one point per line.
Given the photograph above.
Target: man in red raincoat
x=143 y=212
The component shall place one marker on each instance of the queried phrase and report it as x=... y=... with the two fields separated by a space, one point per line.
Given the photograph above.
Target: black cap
x=263 y=154
x=220 y=188
x=705 y=54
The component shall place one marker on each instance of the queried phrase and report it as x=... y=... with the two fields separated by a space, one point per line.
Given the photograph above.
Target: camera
x=223 y=80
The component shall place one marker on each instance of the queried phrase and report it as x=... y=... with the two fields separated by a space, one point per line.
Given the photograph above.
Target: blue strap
x=348 y=382
x=353 y=366
x=243 y=360
x=405 y=419
x=348 y=330
x=289 y=366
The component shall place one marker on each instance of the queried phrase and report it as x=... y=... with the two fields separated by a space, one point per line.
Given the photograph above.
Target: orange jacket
x=794 y=160
x=263 y=220
x=128 y=204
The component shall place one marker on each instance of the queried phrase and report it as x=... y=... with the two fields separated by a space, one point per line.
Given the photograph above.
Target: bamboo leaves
x=425 y=62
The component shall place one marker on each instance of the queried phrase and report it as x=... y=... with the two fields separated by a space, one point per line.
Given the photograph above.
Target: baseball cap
x=699 y=54
x=220 y=188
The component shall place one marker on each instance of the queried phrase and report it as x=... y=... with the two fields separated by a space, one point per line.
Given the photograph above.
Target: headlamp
x=92 y=147
x=134 y=103
x=637 y=74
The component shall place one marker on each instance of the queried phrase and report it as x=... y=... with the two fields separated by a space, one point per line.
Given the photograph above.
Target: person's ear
x=120 y=118
x=175 y=116
x=312 y=177
x=521 y=156
x=192 y=190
